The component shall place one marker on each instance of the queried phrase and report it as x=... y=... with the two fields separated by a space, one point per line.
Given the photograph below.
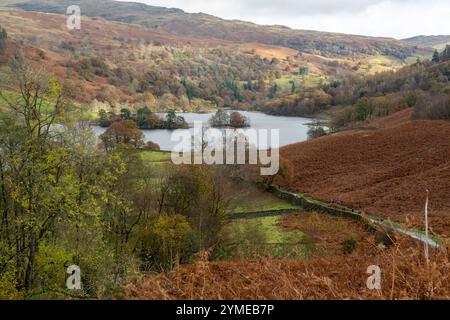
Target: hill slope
x=437 y=42
x=129 y=64
x=136 y=60
x=383 y=172
x=182 y=23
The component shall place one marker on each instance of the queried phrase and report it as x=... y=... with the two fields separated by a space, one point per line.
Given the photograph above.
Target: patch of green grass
x=285 y=83
x=379 y=64
x=10 y=95
x=155 y=156
x=262 y=237
x=255 y=200
x=413 y=59
x=267 y=226
x=88 y=114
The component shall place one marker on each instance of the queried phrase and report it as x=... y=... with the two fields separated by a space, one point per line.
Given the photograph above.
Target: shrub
x=220 y=119
x=237 y=120
x=165 y=240
x=152 y=146
x=8 y=287
x=342 y=118
x=316 y=131
x=349 y=245
x=122 y=132
x=51 y=264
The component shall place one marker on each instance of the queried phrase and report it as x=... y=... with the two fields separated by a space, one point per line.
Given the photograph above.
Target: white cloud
x=390 y=18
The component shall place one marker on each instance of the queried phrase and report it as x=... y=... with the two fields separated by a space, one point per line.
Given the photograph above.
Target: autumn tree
x=152 y=146
x=109 y=95
x=122 y=133
x=237 y=120
x=202 y=194
x=285 y=173
x=220 y=119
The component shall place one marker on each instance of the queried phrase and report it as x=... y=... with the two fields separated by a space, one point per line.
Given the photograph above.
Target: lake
x=291 y=129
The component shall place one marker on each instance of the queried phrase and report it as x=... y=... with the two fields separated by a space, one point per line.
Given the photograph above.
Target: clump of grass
x=262 y=237
x=349 y=245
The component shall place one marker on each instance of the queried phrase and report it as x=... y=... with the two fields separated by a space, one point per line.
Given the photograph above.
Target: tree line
x=144 y=118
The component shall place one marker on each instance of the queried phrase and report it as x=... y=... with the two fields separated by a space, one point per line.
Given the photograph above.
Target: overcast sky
x=391 y=18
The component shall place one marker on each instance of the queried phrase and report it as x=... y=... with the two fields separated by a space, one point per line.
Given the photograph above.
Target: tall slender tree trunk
x=29 y=271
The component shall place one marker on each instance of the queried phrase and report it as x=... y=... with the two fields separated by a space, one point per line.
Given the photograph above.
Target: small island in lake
x=224 y=119
x=145 y=119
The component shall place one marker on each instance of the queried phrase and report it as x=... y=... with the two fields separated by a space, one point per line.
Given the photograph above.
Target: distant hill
x=437 y=42
x=179 y=22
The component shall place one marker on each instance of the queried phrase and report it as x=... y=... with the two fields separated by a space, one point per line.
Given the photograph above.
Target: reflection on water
x=292 y=129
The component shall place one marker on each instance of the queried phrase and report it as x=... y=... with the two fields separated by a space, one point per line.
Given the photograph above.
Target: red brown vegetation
x=404 y=271
x=405 y=275
x=152 y=146
x=329 y=233
x=382 y=172
x=393 y=119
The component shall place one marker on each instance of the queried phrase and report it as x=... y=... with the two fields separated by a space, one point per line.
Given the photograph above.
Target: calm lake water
x=292 y=129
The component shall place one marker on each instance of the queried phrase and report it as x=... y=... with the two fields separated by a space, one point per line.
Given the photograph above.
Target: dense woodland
x=182 y=79
x=423 y=85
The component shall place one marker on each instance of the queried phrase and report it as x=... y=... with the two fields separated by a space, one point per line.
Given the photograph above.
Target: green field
x=252 y=199
x=413 y=59
x=155 y=156
x=262 y=237
x=285 y=83
x=379 y=64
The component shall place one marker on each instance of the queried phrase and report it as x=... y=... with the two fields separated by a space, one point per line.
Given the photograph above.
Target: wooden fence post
x=427 y=257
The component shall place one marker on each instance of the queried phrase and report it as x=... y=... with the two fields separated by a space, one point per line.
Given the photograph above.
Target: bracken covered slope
x=384 y=172
x=405 y=276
